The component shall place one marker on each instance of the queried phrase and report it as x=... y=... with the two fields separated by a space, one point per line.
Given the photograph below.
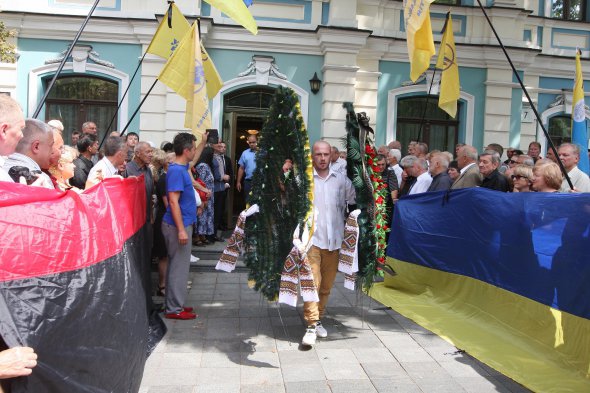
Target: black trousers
x=219 y=209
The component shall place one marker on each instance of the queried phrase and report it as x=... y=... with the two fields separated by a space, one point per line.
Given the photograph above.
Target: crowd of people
x=187 y=185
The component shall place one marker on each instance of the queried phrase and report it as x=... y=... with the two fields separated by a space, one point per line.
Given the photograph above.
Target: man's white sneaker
x=194 y=259
x=310 y=336
x=320 y=330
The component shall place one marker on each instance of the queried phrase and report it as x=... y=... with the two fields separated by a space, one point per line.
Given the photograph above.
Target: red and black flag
x=72 y=285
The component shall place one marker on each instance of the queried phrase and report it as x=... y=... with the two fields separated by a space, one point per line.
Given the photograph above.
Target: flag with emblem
x=169 y=34
x=447 y=62
x=184 y=73
x=238 y=11
x=579 y=129
x=419 y=36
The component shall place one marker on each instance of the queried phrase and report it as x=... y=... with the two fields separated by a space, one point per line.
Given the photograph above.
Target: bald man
x=34 y=151
x=332 y=193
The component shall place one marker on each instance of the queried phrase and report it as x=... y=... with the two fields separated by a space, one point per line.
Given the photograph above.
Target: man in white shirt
x=33 y=152
x=423 y=179
x=12 y=123
x=393 y=158
x=569 y=154
x=332 y=193
x=337 y=164
x=115 y=150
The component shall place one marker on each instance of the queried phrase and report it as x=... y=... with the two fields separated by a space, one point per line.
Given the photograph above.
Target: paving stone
x=171 y=389
x=218 y=376
x=387 y=385
x=368 y=355
x=339 y=371
x=336 y=355
x=352 y=386
x=264 y=388
x=385 y=369
x=175 y=360
x=307 y=387
x=220 y=359
x=260 y=375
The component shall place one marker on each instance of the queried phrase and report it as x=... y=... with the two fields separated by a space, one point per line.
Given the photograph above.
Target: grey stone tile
x=217 y=388
x=175 y=360
x=369 y=355
x=171 y=377
x=260 y=376
x=224 y=346
x=379 y=369
x=303 y=373
x=459 y=369
x=388 y=385
x=352 y=386
x=336 y=355
x=481 y=385
x=170 y=389
x=293 y=358
x=307 y=387
x=271 y=388
x=218 y=376
x=450 y=386
x=220 y=359
x=512 y=385
x=411 y=355
x=260 y=359
x=339 y=371
x=426 y=371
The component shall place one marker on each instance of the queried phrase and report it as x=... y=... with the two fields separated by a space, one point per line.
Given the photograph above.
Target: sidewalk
x=243 y=343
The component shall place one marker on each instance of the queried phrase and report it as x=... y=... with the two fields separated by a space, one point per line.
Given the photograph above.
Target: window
x=439 y=130
x=449 y=2
x=560 y=129
x=77 y=99
x=568 y=9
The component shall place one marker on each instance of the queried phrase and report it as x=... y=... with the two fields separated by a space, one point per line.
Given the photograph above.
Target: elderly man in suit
x=467 y=162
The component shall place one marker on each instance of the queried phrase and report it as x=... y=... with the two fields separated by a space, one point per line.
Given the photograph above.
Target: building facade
x=356 y=47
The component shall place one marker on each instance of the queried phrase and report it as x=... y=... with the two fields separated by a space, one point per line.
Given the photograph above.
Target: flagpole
x=121 y=102
x=138 y=108
x=63 y=61
x=426 y=106
x=526 y=93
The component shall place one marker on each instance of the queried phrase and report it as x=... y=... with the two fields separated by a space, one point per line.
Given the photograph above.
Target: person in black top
x=441 y=181
x=87 y=146
x=489 y=161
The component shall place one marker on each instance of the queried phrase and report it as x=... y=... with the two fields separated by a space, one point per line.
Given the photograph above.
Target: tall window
x=77 y=99
x=560 y=129
x=419 y=119
x=568 y=9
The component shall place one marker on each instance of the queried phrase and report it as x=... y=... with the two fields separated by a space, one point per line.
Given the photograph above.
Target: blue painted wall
x=34 y=52
x=472 y=82
x=298 y=68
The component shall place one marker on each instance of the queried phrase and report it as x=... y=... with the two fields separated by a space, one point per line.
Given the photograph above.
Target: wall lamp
x=315 y=83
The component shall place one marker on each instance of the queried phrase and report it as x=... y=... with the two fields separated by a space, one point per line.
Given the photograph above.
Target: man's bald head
x=37 y=142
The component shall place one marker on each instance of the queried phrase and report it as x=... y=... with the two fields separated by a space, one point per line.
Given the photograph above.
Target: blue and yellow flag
x=579 y=130
x=167 y=37
x=184 y=73
x=447 y=62
x=237 y=10
x=419 y=36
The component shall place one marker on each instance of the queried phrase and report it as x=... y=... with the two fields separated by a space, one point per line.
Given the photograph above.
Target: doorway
x=244 y=111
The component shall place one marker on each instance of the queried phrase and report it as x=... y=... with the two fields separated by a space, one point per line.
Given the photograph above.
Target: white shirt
x=4 y=173
x=398 y=173
x=18 y=159
x=330 y=197
x=338 y=166
x=579 y=179
x=422 y=183
x=107 y=168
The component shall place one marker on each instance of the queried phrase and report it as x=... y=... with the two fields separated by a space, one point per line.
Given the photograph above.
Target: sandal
x=161 y=291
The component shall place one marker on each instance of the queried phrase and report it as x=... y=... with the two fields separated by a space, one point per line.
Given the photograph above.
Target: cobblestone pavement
x=243 y=343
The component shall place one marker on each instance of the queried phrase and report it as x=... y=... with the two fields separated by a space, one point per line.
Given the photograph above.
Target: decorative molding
x=251 y=80
x=80 y=55
x=263 y=67
x=36 y=74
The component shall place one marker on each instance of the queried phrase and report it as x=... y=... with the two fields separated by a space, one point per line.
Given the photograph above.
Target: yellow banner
x=449 y=80
x=167 y=39
x=419 y=36
x=237 y=10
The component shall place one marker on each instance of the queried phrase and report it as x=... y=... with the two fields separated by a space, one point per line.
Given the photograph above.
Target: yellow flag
x=214 y=82
x=447 y=62
x=419 y=36
x=184 y=73
x=167 y=39
x=237 y=10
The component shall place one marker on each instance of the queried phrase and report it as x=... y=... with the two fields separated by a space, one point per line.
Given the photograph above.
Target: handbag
x=202 y=194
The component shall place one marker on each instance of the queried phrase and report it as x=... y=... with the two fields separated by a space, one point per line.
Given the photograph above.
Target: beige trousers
x=324 y=266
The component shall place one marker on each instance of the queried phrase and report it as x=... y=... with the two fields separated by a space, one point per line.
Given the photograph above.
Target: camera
x=16 y=172
x=213 y=137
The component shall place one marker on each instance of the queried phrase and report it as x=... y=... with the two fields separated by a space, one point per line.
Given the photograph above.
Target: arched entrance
x=243 y=109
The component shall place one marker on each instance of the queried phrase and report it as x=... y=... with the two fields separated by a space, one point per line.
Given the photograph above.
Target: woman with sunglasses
x=522 y=178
